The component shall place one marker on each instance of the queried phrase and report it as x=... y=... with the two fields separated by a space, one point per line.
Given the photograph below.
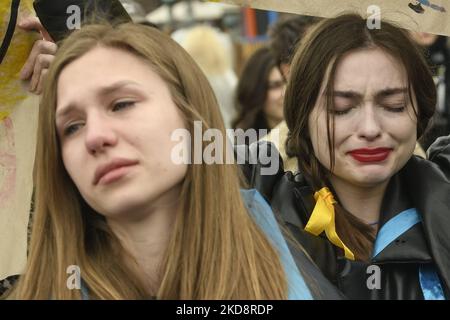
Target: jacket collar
x=429 y=189
x=408 y=246
x=400 y=237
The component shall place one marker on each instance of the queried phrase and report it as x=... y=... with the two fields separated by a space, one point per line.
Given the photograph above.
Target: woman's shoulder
x=439 y=153
x=298 y=266
x=433 y=171
x=427 y=184
x=264 y=169
x=288 y=193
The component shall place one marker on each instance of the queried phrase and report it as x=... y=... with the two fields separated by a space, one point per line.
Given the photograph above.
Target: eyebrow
x=390 y=92
x=105 y=91
x=380 y=95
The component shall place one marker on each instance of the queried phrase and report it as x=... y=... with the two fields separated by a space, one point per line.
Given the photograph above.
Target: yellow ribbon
x=323 y=219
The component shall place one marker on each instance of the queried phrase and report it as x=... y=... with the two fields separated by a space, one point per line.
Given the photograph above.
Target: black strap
x=11 y=27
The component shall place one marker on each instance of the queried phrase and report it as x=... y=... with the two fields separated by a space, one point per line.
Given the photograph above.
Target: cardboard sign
x=430 y=16
x=18 y=125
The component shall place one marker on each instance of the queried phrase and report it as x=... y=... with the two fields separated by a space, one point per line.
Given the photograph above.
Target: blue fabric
x=84 y=291
x=395 y=227
x=430 y=283
x=432 y=5
x=264 y=217
x=405 y=220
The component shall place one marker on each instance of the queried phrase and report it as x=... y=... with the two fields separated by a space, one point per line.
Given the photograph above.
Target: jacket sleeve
x=429 y=185
x=439 y=153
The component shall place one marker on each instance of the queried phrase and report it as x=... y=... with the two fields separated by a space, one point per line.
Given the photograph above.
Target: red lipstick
x=370 y=155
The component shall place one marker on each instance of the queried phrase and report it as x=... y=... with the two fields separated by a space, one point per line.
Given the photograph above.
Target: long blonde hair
x=216 y=249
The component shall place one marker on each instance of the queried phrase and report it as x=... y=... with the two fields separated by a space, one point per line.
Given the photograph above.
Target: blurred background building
x=221 y=38
x=218 y=36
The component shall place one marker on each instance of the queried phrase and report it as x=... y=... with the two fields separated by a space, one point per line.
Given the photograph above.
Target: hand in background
x=41 y=55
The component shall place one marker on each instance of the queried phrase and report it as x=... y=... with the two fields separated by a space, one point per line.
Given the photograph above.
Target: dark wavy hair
x=285 y=34
x=314 y=63
x=252 y=89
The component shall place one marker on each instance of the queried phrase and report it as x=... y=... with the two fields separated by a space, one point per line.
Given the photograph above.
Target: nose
x=100 y=134
x=369 y=125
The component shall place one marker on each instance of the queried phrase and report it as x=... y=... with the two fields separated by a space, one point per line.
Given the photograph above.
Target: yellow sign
x=430 y=16
x=18 y=123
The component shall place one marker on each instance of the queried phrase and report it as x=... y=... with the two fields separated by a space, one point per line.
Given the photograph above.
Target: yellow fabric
x=3 y=115
x=418 y=151
x=323 y=219
x=11 y=91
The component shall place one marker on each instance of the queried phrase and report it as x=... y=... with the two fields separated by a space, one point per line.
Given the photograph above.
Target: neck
x=363 y=202
x=146 y=238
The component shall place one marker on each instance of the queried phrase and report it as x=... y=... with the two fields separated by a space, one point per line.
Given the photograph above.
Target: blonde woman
x=112 y=203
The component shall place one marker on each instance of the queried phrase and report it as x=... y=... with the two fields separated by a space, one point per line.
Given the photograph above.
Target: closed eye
x=397 y=109
x=341 y=111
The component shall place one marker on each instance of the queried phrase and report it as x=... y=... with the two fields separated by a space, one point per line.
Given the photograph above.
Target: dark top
x=411 y=258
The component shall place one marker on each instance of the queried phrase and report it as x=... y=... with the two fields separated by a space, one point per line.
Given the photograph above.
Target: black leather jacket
x=406 y=263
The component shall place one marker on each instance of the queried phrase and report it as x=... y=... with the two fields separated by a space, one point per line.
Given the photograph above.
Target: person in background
x=438 y=57
x=259 y=93
x=213 y=51
x=284 y=36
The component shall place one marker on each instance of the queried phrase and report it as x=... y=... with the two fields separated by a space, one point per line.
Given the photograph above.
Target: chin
x=121 y=205
x=112 y=209
x=371 y=179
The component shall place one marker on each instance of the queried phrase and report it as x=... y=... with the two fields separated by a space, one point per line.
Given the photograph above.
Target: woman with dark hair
x=373 y=216
x=259 y=93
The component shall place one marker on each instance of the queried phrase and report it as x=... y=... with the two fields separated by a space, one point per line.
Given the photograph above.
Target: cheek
x=73 y=166
x=410 y=132
x=163 y=173
x=318 y=134
x=179 y=172
x=403 y=129
x=406 y=137
x=272 y=95
x=157 y=145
